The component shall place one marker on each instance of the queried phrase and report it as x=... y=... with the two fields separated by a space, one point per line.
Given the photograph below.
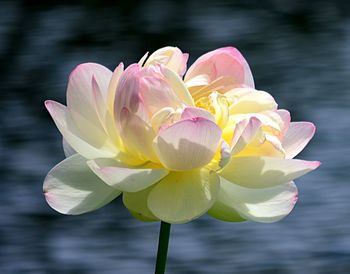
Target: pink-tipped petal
x=128 y=93
x=187 y=144
x=235 y=203
x=81 y=100
x=126 y=178
x=193 y=112
x=297 y=137
x=80 y=143
x=156 y=92
x=285 y=116
x=221 y=63
x=262 y=172
x=72 y=188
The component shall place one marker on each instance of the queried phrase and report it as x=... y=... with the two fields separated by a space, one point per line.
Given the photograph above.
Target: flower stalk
x=163 y=244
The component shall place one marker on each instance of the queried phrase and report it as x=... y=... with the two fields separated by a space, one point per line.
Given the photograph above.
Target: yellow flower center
x=218 y=105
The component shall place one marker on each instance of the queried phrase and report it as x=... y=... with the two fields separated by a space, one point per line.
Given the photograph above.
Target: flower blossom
x=176 y=144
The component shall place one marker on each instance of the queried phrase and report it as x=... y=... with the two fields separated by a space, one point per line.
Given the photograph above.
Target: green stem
x=163 y=243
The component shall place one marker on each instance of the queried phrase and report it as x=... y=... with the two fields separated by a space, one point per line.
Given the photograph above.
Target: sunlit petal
x=183 y=196
x=126 y=178
x=187 y=144
x=72 y=188
x=262 y=172
x=172 y=57
x=297 y=137
x=235 y=203
x=220 y=63
x=74 y=137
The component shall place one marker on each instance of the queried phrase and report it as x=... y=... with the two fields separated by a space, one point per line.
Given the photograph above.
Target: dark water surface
x=299 y=51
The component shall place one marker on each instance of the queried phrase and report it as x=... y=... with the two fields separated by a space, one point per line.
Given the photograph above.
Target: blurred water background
x=299 y=51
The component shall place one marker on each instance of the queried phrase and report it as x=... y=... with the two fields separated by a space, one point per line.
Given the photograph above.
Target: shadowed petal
x=183 y=196
x=72 y=188
x=187 y=144
x=262 y=172
x=136 y=203
x=73 y=137
x=267 y=205
x=126 y=178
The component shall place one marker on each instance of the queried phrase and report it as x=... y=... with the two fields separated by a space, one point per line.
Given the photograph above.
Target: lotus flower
x=176 y=147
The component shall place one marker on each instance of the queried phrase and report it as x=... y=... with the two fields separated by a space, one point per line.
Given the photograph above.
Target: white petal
x=72 y=135
x=143 y=59
x=72 y=188
x=187 y=144
x=81 y=100
x=262 y=172
x=297 y=137
x=126 y=178
x=178 y=86
x=172 y=57
x=67 y=149
x=183 y=196
x=265 y=205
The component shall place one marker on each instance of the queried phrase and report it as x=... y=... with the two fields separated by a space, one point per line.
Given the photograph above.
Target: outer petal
x=126 y=178
x=72 y=188
x=183 y=196
x=260 y=205
x=187 y=144
x=297 y=137
x=67 y=149
x=262 y=172
x=136 y=203
x=81 y=99
x=104 y=111
x=171 y=57
x=73 y=136
x=221 y=63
